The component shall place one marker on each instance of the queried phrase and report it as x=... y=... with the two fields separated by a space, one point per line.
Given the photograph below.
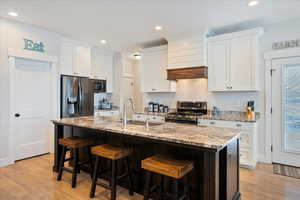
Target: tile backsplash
x=196 y=90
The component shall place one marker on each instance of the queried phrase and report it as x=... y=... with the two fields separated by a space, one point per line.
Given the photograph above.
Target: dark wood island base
x=215 y=175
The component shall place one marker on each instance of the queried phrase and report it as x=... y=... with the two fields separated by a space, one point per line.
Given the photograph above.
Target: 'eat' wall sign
x=34 y=46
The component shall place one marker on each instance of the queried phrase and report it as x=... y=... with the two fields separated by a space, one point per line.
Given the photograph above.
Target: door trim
x=52 y=60
x=269 y=57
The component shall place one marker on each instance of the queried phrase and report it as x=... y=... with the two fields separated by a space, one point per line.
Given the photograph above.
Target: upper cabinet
x=154 y=70
x=233 y=61
x=83 y=61
x=102 y=66
x=75 y=59
x=187 y=52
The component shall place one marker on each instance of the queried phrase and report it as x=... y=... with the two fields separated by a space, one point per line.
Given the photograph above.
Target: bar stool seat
x=73 y=144
x=166 y=166
x=113 y=153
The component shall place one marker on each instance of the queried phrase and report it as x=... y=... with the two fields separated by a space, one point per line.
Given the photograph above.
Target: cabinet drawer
x=152 y=118
x=246 y=139
x=106 y=113
x=245 y=155
x=227 y=124
x=139 y=117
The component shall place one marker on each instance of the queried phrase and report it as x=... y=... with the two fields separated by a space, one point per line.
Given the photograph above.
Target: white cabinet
x=233 y=61
x=75 y=59
x=107 y=113
x=154 y=71
x=151 y=117
x=66 y=59
x=82 y=66
x=248 y=139
x=217 y=62
x=102 y=66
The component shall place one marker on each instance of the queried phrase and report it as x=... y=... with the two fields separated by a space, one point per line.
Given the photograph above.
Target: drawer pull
x=238 y=125
x=138 y=116
x=212 y=123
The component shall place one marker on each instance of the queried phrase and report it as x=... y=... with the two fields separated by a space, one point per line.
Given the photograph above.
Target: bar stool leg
x=147 y=185
x=113 y=179
x=61 y=164
x=90 y=160
x=131 y=191
x=161 y=188
x=75 y=168
x=186 y=188
x=94 y=180
x=175 y=189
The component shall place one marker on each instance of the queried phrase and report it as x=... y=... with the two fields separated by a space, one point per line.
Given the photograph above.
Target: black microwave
x=98 y=85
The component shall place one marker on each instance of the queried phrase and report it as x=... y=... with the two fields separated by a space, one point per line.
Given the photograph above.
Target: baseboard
x=5 y=162
x=262 y=158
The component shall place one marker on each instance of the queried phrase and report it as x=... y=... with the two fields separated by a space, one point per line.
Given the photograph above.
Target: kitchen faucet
x=125 y=110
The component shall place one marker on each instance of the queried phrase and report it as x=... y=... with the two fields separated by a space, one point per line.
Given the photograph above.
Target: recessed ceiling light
x=253 y=3
x=103 y=41
x=158 y=28
x=137 y=56
x=13 y=14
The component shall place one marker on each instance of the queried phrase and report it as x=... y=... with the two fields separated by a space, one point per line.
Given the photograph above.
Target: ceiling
x=127 y=23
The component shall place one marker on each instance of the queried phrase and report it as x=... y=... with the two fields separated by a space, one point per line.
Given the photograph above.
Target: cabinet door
x=108 y=71
x=217 y=66
x=102 y=67
x=154 y=71
x=241 y=63
x=66 y=59
x=83 y=61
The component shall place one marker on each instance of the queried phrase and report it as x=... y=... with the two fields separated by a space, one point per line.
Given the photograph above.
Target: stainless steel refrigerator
x=77 y=98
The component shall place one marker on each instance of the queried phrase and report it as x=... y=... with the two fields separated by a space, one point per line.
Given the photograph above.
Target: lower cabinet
x=107 y=113
x=248 y=139
x=152 y=118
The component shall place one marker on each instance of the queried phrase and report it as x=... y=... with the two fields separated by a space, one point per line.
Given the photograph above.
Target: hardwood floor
x=33 y=179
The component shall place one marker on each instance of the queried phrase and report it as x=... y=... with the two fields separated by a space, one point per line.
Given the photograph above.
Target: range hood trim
x=187 y=73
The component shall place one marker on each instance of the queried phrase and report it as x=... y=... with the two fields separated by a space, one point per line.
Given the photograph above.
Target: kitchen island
x=215 y=151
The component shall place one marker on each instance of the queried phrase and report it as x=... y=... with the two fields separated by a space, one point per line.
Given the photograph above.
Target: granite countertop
x=232 y=116
x=208 y=137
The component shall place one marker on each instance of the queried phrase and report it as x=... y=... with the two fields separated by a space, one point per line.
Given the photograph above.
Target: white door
x=30 y=107
x=286 y=111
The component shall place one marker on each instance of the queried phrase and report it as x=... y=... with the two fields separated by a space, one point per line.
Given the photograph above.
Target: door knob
x=17 y=115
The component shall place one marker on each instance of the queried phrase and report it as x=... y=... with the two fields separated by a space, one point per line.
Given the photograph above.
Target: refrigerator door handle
x=79 y=97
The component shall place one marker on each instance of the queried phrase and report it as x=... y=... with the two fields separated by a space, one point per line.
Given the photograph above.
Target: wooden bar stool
x=112 y=153
x=167 y=167
x=74 y=144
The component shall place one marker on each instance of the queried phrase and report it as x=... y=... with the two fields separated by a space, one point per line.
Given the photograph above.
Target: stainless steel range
x=187 y=112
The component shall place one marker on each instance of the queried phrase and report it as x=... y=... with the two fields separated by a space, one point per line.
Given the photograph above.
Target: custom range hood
x=187 y=73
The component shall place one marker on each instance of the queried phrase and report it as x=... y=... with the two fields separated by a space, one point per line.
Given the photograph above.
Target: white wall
x=11 y=36
x=196 y=90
